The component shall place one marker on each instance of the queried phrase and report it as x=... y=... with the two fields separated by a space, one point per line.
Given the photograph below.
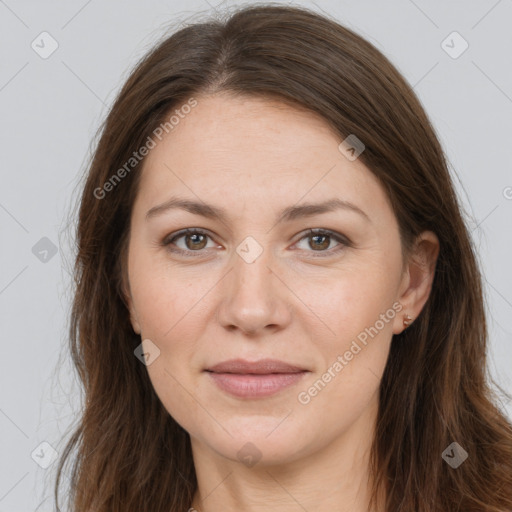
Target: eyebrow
x=288 y=214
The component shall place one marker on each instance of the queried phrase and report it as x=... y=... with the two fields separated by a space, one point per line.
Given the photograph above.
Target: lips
x=261 y=367
x=251 y=380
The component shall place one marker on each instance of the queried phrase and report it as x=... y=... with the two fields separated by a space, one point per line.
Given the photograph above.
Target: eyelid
x=168 y=240
x=343 y=243
x=342 y=240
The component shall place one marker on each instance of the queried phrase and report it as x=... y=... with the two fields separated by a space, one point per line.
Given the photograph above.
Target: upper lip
x=263 y=366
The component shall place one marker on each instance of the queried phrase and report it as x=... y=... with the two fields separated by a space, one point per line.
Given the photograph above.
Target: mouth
x=261 y=367
x=259 y=379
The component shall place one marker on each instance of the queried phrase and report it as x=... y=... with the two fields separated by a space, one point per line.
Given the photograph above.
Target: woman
x=278 y=305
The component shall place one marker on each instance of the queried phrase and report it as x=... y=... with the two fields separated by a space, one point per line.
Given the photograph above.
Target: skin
x=255 y=157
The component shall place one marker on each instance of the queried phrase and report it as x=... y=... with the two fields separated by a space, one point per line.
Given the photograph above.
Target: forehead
x=244 y=127
x=255 y=149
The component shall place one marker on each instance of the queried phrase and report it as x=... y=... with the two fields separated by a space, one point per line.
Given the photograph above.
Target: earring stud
x=407 y=320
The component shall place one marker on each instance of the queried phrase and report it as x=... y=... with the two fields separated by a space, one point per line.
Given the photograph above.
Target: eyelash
x=343 y=241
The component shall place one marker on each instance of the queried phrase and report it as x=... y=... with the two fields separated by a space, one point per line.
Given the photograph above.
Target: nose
x=254 y=299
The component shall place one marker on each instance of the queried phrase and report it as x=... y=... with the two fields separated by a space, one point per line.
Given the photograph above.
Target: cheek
x=349 y=300
x=358 y=310
x=349 y=381
x=165 y=298
x=171 y=317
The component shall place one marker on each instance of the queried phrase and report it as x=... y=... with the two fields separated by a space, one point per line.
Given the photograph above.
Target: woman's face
x=254 y=285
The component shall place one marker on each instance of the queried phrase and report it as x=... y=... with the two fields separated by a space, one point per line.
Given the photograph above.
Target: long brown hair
x=128 y=453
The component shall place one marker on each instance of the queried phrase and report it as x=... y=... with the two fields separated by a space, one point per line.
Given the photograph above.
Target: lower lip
x=255 y=386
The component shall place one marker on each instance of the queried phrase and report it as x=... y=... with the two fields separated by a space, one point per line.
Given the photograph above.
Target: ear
x=417 y=278
x=127 y=296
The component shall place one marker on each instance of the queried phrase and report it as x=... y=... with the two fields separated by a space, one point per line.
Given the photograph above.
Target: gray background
x=51 y=108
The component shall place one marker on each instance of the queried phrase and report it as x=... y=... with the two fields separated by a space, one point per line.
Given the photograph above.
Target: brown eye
x=319 y=241
x=195 y=241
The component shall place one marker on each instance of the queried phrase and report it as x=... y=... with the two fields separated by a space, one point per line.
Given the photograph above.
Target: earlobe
x=134 y=320
x=418 y=279
x=131 y=309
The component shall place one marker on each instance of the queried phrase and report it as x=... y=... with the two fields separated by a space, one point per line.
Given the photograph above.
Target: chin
x=260 y=440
